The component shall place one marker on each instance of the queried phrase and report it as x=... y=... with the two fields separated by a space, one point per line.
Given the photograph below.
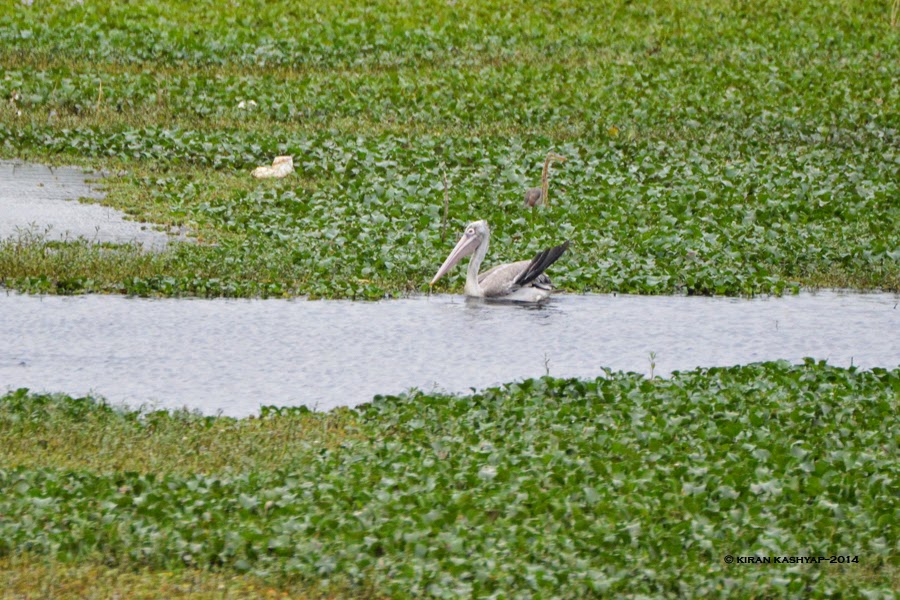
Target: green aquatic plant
x=713 y=148
x=547 y=486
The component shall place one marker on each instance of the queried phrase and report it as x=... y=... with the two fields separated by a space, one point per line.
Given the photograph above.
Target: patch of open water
x=232 y=356
x=40 y=200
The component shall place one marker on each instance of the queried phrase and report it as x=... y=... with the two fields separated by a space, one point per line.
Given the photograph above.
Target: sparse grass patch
x=83 y=434
x=27 y=577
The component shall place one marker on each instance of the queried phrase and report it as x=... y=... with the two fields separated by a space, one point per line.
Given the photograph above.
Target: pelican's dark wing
x=540 y=263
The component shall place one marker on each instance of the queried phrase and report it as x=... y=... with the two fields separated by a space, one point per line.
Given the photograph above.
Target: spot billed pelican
x=523 y=281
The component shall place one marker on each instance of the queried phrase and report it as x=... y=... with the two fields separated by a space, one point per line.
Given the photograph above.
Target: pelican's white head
x=476 y=234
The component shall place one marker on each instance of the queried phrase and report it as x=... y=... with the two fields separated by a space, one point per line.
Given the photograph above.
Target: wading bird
x=523 y=281
x=537 y=196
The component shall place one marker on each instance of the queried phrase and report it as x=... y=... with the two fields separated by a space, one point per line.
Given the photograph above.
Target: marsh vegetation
x=714 y=148
x=616 y=486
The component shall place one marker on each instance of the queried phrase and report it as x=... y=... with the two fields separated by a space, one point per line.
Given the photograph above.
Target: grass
x=107 y=440
x=713 y=148
x=611 y=487
x=27 y=577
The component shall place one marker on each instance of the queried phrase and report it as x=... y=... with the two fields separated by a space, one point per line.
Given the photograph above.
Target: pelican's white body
x=500 y=278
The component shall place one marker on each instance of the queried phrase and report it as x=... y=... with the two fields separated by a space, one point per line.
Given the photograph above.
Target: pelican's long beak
x=464 y=247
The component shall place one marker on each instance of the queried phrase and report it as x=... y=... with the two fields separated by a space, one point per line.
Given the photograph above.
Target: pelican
x=523 y=281
x=540 y=195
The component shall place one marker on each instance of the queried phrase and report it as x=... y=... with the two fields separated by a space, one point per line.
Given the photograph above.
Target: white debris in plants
x=282 y=166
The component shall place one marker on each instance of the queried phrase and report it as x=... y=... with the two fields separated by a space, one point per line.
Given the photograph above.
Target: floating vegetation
x=712 y=148
x=609 y=487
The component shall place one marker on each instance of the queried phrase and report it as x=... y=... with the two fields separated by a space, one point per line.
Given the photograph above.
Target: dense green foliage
x=714 y=147
x=616 y=486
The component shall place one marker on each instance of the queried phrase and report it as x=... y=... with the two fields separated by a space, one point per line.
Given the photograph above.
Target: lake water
x=35 y=199
x=232 y=356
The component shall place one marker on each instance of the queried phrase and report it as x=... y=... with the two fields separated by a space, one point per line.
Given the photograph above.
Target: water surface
x=35 y=199
x=232 y=356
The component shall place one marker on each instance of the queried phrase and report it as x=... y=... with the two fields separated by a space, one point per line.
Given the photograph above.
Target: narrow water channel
x=232 y=356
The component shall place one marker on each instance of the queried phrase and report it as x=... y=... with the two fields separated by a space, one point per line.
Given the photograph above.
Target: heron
x=539 y=195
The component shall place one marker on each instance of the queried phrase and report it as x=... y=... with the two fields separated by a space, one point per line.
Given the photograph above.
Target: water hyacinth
x=712 y=148
x=544 y=487
x=766 y=164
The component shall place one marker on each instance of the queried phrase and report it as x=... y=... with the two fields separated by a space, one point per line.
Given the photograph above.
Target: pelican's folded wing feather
x=500 y=280
x=540 y=263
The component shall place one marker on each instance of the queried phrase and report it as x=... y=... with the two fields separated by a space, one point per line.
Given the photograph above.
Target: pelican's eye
x=470 y=231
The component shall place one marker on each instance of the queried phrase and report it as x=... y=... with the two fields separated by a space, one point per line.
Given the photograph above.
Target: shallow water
x=43 y=200
x=232 y=356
